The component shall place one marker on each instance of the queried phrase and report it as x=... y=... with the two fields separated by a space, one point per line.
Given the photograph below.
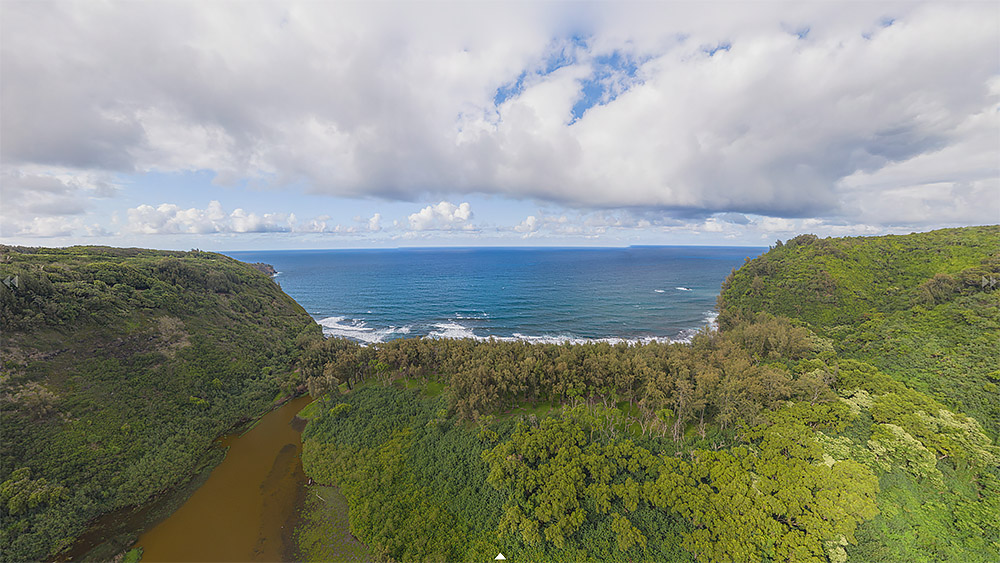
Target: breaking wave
x=358 y=330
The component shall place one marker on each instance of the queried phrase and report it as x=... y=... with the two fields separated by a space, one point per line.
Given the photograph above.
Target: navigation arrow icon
x=500 y=557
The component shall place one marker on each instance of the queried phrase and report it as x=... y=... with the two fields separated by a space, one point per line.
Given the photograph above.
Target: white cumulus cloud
x=168 y=218
x=528 y=226
x=444 y=216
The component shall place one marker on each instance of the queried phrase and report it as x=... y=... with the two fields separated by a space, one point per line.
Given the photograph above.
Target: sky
x=269 y=125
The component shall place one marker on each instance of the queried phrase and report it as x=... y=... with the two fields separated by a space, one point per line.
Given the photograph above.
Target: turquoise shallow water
x=538 y=294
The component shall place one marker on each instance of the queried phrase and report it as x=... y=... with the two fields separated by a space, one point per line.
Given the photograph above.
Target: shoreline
x=452 y=330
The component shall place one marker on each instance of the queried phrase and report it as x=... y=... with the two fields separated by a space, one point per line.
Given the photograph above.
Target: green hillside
x=120 y=366
x=922 y=307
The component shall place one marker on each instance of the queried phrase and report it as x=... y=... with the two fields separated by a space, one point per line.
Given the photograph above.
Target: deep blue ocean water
x=539 y=294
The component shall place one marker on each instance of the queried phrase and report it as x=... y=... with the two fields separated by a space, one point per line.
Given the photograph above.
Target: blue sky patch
x=563 y=56
x=723 y=46
x=509 y=90
x=613 y=75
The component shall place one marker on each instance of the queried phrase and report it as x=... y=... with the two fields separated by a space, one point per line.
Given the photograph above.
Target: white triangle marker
x=500 y=557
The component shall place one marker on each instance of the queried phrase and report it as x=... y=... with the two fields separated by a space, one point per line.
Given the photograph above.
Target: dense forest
x=921 y=307
x=120 y=366
x=836 y=415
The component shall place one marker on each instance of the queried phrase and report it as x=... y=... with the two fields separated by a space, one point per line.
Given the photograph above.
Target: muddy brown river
x=246 y=509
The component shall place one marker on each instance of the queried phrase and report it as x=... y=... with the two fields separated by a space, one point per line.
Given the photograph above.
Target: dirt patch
x=171 y=335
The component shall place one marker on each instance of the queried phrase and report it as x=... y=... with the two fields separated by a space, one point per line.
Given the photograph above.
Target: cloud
x=528 y=226
x=881 y=113
x=957 y=183
x=736 y=218
x=624 y=227
x=591 y=224
x=168 y=218
x=46 y=202
x=48 y=227
x=444 y=216
x=315 y=225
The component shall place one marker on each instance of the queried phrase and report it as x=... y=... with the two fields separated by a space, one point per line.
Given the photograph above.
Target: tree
x=684 y=406
x=322 y=386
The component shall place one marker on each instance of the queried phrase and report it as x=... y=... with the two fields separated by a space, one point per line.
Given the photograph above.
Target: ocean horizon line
x=487 y=247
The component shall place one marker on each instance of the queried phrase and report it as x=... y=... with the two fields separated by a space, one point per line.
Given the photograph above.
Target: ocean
x=662 y=293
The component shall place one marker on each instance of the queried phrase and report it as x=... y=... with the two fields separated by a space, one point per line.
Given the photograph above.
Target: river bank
x=258 y=462
x=323 y=532
x=242 y=510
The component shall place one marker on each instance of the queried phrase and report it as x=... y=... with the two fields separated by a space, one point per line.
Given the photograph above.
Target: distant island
x=846 y=409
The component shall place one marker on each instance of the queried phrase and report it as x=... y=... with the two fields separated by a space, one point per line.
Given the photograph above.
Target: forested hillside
x=922 y=307
x=769 y=440
x=120 y=366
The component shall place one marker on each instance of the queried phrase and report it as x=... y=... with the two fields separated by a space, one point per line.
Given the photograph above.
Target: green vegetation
x=133 y=556
x=120 y=368
x=923 y=307
x=846 y=409
x=596 y=482
x=324 y=533
x=415 y=481
x=775 y=439
x=716 y=380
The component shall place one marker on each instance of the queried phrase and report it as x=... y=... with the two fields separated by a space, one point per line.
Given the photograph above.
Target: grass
x=542 y=409
x=426 y=389
x=310 y=411
x=324 y=532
